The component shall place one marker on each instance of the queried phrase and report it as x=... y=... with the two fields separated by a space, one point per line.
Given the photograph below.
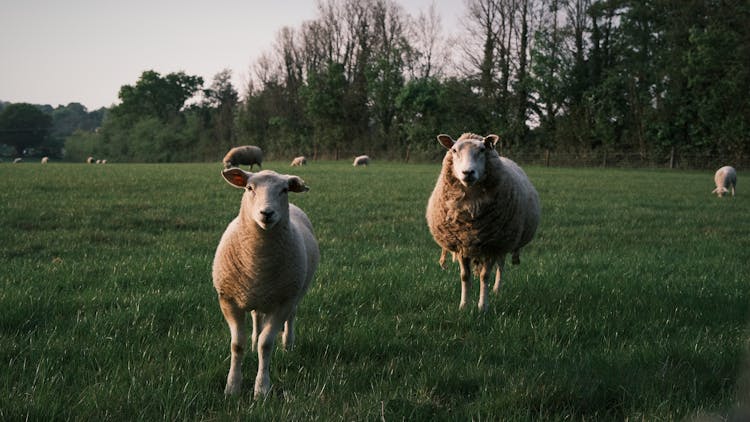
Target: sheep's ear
x=236 y=177
x=491 y=140
x=297 y=185
x=446 y=141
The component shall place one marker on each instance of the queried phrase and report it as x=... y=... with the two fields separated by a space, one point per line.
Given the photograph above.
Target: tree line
x=657 y=79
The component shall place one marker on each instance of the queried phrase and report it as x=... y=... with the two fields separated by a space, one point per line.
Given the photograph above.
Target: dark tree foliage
x=24 y=126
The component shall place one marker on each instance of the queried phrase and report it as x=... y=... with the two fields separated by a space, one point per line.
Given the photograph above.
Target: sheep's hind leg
x=235 y=318
x=499 y=276
x=465 y=265
x=257 y=319
x=483 y=285
x=288 y=337
x=271 y=325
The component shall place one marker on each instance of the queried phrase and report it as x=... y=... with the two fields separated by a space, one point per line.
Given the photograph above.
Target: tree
x=23 y=126
x=157 y=96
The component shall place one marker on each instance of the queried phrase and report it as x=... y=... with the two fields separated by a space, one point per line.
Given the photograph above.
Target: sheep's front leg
x=271 y=325
x=235 y=318
x=465 y=265
x=484 y=285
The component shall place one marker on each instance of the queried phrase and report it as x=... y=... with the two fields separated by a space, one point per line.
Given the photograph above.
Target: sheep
x=45 y=160
x=299 y=161
x=17 y=160
x=361 y=160
x=248 y=155
x=264 y=264
x=725 y=179
x=483 y=207
x=90 y=160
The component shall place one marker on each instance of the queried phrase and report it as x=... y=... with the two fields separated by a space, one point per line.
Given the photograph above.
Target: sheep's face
x=266 y=194
x=469 y=156
x=720 y=191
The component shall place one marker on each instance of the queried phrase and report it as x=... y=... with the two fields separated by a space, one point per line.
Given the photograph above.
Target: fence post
x=671 y=158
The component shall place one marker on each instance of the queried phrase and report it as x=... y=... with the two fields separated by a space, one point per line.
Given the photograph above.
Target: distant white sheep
x=17 y=160
x=725 y=180
x=483 y=207
x=361 y=160
x=90 y=160
x=264 y=264
x=299 y=161
x=45 y=160
x=247 y=155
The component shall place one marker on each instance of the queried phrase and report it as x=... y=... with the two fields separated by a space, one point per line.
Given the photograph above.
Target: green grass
x=631 y=303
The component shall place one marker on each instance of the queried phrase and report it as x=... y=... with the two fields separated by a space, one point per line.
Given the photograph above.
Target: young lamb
x=299 y=161
x=725 y=179
x=361 y=160
x=482 y=208
x=264 y=264
x=248 y=155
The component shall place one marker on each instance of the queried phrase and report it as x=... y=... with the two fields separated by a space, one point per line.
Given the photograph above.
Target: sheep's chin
x=266 y=225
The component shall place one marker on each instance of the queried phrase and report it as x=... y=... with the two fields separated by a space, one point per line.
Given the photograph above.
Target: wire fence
x=601 y=159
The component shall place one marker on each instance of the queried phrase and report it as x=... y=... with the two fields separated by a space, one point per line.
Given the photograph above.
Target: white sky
x=61 y=51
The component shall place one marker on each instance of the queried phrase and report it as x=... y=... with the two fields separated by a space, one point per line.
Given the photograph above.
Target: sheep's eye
x=249 y=188
x=453 y=150
x=283 y=191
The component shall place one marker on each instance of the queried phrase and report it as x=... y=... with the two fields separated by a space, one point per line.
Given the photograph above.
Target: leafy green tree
x=326 y=92
x=157 y=96
x=23 y=126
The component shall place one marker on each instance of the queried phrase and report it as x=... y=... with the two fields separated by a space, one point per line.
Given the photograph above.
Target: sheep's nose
x=468 y=174
x=267 y=214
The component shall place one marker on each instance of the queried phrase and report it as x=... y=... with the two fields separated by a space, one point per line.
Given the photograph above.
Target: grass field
x=631 y=303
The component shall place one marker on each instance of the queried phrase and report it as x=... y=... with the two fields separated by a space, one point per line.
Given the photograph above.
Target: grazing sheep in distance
x=362 y=160
x=248 y=155
x=264 y=264
x=45 y=160
x=725 y=179
x=299 y=161
x=483 y=207
x=90 y=160
x=17 y=160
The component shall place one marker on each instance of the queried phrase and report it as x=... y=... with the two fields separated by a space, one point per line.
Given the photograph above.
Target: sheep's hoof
x=232 y=389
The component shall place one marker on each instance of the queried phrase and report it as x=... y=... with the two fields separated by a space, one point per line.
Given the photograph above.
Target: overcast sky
x=57 y=52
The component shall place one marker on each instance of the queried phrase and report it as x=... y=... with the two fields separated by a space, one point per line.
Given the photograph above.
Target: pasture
x=631 y=303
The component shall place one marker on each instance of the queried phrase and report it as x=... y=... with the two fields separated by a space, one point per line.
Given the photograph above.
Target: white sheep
x=361 y=160
x=248 y=155
x=90 y=160
x=299 y=161
x=726 y=180
x=483 y=207
x=45 y=160
x=264 y=264
x=17 y=160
